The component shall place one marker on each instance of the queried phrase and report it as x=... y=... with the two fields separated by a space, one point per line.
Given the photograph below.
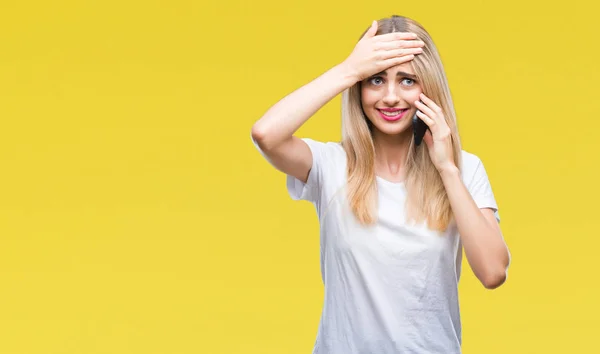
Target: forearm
x=483 y=243
x=284 y=118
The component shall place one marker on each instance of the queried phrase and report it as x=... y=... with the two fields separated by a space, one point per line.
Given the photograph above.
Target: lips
x=392 y=114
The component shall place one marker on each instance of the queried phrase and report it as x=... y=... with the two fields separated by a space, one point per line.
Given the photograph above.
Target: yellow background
x=137 y=217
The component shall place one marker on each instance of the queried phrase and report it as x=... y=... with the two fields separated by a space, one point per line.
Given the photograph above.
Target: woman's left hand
x=438 y=138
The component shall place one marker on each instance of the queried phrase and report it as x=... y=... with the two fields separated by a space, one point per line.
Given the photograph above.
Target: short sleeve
x=312 y=189
x=480 y=188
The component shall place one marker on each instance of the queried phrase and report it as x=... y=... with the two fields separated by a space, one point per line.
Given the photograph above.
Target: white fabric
x=389 y=288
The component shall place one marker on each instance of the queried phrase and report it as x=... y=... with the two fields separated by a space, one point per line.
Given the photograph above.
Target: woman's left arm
x=479 y=230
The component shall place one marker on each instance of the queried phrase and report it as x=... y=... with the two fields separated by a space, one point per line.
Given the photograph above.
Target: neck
x=390 y=154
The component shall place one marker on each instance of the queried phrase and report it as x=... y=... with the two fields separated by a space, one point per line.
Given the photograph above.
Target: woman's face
x=388 y=99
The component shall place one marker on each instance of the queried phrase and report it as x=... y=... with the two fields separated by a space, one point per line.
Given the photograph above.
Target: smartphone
x=419 y=128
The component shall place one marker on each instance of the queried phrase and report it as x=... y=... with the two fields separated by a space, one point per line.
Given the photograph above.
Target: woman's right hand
x=374 y=54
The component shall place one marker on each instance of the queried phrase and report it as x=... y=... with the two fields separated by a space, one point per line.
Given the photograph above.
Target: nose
x=391 y=97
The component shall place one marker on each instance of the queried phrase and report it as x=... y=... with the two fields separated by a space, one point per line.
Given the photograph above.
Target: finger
x=425 y=109
x=372 y=30
x=399 y=44
x=397 y=36
x=401 y=52
x=429 y=102
x=388 y=63
x=429 y=121
x=409 y=43
x=428 y=139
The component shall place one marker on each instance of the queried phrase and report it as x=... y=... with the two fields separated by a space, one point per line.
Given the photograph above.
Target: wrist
x=346 y=74
x=449 y=171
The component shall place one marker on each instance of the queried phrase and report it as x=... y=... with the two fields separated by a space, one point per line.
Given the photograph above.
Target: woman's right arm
x=274 y=132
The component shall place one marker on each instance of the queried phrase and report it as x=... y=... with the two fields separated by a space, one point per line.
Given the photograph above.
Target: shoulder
x=477 y=182
x=469 y=159
x=326 y=173
x=321 y=144
x=471 y=166
x=326 y=150
x=329 y=162
x=474 y=174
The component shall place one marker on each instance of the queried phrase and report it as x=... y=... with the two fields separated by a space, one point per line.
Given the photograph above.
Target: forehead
x=404 y=67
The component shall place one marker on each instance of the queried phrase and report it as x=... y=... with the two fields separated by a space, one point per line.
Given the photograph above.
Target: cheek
x=412 y=95
x=368 y=97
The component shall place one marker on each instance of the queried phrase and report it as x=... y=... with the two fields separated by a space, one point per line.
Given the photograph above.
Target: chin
x=392 y=131
x=391 y=128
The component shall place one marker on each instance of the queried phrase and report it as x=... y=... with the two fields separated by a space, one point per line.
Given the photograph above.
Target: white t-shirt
x=391 y=287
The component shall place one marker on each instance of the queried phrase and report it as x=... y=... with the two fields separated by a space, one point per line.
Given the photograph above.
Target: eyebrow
x=399 y=73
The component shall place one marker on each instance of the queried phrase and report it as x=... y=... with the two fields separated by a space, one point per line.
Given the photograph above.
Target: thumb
x=428 y=139
x=372 y=31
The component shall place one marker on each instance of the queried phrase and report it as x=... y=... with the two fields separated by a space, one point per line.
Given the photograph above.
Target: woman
x=394 y=215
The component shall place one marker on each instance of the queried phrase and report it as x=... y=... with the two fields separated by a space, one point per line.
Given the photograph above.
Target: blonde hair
x=427 y=200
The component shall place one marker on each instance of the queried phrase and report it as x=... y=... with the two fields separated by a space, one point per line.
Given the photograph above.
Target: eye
x=408 y=82
x=376 y=80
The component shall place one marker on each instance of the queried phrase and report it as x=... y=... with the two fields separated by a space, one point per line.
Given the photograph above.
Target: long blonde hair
x=427 y=200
